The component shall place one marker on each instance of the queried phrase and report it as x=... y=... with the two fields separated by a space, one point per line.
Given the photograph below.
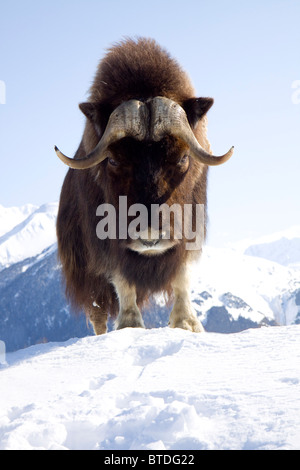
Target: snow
x=157 y=389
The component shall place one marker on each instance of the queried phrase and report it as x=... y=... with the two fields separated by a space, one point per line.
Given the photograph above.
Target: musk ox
x=144 y=140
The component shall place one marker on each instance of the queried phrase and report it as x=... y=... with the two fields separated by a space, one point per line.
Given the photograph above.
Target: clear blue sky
x=244 y=54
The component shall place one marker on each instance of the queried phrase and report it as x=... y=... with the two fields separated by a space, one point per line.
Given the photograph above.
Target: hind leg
x=98 y=320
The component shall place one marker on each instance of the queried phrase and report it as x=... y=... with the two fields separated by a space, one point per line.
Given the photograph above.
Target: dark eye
x=183 y=160
x=112 y=162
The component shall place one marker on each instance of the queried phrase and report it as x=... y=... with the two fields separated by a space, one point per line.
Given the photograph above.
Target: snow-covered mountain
x=232 y=289
x=158 y=389
x=26 y=232
x=253 y=287
x=282 y=247
x=12 y=216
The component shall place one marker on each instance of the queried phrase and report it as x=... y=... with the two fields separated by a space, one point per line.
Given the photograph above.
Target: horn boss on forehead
x=130 y=119
x=142 y=113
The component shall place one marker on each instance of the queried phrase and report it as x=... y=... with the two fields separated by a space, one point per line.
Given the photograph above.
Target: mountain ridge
x=231 y=291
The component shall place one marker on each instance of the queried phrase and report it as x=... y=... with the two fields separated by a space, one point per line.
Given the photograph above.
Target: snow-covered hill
x=155 y=389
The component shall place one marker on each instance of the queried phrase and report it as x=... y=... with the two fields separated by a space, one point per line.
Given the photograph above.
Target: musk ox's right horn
x=127 y=120
x=169 y=118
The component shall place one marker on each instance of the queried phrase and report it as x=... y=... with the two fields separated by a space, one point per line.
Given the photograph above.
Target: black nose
x=149 y=242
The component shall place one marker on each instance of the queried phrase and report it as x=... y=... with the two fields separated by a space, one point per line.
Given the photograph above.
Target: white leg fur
x=129 y=314
x=183 y=314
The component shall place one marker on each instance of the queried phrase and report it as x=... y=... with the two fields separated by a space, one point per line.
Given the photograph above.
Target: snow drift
x=155 y=389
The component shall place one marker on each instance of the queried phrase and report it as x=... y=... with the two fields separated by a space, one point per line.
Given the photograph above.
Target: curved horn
x=128 y=119
x=168 y=117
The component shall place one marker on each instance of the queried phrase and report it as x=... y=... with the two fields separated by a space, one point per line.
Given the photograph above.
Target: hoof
x=129 y=320
x=189 y=324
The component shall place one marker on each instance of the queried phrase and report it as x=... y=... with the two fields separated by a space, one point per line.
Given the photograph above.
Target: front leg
x=129 y=313
x=98 y=319
x=183 y=314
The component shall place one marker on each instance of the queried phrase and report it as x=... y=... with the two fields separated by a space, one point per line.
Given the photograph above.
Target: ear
x=89 y=110
x=196 y=108
x=97 y=113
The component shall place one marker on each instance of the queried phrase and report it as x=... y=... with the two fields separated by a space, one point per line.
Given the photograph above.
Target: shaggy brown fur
x=147 y=172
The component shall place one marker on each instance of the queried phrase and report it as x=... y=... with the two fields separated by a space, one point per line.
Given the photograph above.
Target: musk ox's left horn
x=168 y=117
x=127 y=120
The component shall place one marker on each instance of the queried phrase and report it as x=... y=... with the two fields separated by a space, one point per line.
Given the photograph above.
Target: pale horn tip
x=223 y=159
